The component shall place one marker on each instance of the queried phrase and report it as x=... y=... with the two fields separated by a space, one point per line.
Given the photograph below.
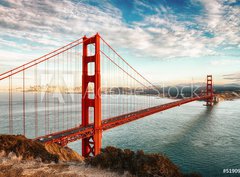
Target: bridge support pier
x=91 y=146
x=209 y=90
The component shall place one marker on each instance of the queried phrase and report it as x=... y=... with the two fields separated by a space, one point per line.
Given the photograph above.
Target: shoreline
x=228 y=96
x=20 y=157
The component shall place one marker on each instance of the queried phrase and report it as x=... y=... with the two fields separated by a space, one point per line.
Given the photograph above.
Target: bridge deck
x=70 y=135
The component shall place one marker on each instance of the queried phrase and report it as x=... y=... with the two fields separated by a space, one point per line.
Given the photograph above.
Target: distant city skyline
x=168 y=41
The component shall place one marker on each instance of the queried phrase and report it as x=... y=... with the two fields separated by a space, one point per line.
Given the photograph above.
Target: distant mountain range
x=189 y=89
x=229 y=87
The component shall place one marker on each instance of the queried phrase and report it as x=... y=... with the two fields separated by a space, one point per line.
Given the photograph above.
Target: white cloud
x=8 y=59
x=234 y=77
x=50 y=24
x=222 y=20
x=225 y=62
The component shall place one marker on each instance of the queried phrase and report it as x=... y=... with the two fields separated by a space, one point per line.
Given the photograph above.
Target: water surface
x=194 y=137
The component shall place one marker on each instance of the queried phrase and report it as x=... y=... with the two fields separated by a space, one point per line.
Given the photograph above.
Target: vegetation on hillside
x=124 y=162
x=137 y=163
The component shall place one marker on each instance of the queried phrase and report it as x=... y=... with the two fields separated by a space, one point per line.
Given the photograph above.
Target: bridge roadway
x=74 y=134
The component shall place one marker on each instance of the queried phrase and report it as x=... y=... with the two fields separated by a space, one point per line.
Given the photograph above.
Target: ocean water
x=195 y=137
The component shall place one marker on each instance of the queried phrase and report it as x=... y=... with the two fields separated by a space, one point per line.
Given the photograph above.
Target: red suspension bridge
x=77 y=92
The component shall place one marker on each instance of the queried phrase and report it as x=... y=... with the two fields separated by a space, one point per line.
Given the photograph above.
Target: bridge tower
x=91 y=146
x=209 y=90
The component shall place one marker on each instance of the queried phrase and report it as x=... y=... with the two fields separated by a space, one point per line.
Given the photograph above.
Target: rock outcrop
x=139 y=163
x=28 y=149
x=64 y=154
x=20 y=156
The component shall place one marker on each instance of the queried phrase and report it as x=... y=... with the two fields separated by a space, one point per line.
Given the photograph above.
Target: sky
x=171 y=41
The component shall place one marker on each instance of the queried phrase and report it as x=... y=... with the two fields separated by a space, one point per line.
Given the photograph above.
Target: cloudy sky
x=167 y=40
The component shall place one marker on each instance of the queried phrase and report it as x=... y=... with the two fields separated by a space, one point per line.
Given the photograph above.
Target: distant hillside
x=227 y=87
x=186 y=90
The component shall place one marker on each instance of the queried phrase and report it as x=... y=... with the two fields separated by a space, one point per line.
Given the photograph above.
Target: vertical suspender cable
x=24 y=104
x=67 y=72
x=36 y=103
x=70 y=71
x=58 y=92
x=54 y=94
x=63 y=88
x=10 y=106
x=45 y=99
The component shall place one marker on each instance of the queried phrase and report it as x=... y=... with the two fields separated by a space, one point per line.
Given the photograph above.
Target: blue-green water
x=194 y=137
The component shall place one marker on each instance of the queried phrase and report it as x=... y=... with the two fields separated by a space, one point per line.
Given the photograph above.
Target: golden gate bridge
x=77 y=92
